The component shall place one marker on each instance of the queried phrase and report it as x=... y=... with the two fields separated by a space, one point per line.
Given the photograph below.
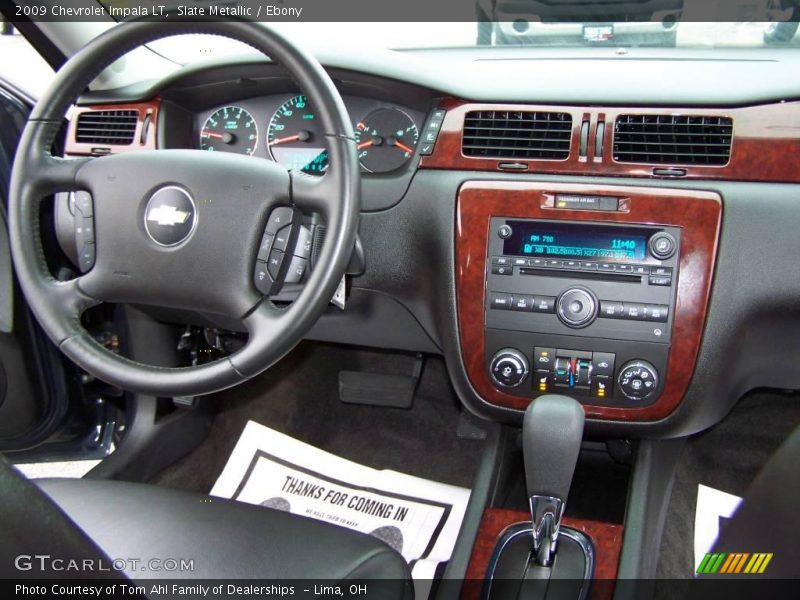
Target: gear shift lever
x=551 y=440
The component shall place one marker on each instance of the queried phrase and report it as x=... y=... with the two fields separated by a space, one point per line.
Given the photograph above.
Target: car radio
x=584 y=308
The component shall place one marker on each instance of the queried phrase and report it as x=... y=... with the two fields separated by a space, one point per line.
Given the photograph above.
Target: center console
x=598 y=292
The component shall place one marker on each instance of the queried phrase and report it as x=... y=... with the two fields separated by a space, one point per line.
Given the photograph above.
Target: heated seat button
x=543 y=381
x=274 y=263
x=601 y=386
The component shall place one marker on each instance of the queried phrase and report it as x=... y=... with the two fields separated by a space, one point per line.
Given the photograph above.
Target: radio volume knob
x=509 y=367
x=662 y=245
x=576 y=307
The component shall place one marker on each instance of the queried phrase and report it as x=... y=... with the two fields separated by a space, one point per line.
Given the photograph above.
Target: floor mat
x=727 y=458
x=419 y=518
x=299 y=397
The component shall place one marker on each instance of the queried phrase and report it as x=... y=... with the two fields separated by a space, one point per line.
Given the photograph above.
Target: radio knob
x=662 y=245
x=577 y=307
x=509 y=367
x=637 y=380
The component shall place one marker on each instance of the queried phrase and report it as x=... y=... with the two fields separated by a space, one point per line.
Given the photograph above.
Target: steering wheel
x=228 y=199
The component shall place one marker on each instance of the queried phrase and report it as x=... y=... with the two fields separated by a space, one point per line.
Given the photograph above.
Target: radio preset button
x=572 y=264
x=589 y=266
x=536 y=262
x=576 y=307
x=522 y=303
x=553 y=263
x=500 y=301
x=544 y=304
x=625 y=268
x=607 y=267
x=640 y=270
x=611 y=309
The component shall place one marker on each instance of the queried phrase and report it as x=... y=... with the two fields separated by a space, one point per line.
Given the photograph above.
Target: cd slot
x=596 y=275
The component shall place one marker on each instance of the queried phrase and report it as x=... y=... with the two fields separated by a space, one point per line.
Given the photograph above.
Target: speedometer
x=230 y=129
x=294 y=138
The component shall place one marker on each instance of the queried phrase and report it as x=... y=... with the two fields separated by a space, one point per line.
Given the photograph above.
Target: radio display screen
x=576 y=241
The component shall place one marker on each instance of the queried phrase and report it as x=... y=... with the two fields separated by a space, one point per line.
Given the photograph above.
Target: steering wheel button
x=83 y=203
x=274 y=263
x=282 y=238
x=296 y=270
x=262 y=279
x=303 y=246
x=265 y=247
x=279 y=218
x=86 y=257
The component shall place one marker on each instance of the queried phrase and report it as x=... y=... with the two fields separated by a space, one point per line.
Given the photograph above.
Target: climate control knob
x=576 y=307
x=637 y=380
x=509 y=367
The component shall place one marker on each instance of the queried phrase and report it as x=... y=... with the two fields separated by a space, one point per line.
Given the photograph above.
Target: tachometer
x=294 y=138
x=230 y=129
x=386 y=139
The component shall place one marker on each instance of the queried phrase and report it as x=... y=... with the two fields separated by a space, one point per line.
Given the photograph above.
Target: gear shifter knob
x=551 y=440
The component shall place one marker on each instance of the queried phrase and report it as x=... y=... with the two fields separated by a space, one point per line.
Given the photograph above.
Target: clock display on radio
x=575 y=241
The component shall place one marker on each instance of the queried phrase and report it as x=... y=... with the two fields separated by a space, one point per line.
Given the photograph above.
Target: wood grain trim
x=73 y=148
x=697 y=213
x=606 y=537
x=765 y=136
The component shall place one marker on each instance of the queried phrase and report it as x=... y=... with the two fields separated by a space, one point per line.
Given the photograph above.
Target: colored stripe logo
x=733 y=563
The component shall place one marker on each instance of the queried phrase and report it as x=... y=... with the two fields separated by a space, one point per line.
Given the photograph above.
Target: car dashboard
x=613 y=251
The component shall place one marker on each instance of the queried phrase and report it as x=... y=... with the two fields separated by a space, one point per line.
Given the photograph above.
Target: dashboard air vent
x=107 y=127
x=517 y=134
x=673 y=139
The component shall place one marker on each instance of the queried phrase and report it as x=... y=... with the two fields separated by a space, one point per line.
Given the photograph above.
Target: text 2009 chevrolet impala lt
x=499 y=307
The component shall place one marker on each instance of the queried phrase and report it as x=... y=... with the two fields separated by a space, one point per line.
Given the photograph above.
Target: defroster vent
x=107 y=127
x=517 y=134
x=673 y=139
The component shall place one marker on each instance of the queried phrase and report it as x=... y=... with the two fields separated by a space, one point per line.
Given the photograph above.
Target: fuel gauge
x=386 y=140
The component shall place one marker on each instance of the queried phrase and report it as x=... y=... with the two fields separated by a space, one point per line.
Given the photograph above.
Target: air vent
x=517 y=134
x=673 y=139
x=107 y=127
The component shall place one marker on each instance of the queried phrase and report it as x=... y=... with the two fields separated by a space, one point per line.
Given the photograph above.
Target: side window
x=21 y=64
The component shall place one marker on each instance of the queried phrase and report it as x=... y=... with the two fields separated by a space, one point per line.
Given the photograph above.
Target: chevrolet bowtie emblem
x=167 y=215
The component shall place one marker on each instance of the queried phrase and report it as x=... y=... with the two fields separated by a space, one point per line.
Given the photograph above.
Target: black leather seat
x=225 y=539
x=80 y=519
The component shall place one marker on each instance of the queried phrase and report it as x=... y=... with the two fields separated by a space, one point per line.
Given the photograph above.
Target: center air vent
x=517 y=134
x=673 y=139
x=107 y=127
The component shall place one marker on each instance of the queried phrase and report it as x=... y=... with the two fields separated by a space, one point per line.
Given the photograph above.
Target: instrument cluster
x=287 y=131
